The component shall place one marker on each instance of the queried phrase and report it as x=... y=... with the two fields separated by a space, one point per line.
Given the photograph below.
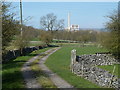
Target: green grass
x=11 y=71
x=74 y=44
x=59 y=62
x=110 y=69
x=41 y=77
x=35 y=39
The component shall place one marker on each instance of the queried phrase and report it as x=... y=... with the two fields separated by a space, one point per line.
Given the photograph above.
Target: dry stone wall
x=12 y=54
x=86 y=66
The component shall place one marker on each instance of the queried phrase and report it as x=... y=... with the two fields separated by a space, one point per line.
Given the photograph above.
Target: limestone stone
x=86 y=67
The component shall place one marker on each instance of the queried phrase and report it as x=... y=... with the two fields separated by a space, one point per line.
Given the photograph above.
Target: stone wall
x=97 y=59
x=12 y=54
x=86 y=66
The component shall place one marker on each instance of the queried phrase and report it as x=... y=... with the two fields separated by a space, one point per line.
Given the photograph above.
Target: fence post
x=73 y=59
x=112 y=76
x=82 y=67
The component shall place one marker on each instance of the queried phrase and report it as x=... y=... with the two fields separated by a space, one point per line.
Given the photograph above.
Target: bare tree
x=59 y=25
x=50 y=22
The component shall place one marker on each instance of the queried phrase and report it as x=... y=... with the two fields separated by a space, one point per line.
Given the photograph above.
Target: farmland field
x=59 y=62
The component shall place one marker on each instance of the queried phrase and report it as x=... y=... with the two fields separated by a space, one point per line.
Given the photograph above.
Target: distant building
x=74 y=27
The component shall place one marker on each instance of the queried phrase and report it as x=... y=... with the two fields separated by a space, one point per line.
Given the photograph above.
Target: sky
x=85 y=14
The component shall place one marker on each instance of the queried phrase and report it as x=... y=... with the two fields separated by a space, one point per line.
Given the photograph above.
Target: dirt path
x=30 y=79
x=58 y=81
x=28 y=74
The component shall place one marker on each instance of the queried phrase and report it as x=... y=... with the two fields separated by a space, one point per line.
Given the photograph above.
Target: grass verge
x=110 y=69
x=11 y=71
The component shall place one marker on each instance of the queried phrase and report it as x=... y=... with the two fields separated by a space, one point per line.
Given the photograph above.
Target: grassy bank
x=11 y=71
x=59 y=62
x=110 y=69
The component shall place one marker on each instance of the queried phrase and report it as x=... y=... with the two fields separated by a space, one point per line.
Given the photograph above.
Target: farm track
x=58 y=81
x=28 y=74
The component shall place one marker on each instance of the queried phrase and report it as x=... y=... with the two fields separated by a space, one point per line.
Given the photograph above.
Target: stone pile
x=87 y=68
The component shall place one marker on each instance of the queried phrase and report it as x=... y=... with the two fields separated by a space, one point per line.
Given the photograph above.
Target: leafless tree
x=59 y=25
x=50 y=22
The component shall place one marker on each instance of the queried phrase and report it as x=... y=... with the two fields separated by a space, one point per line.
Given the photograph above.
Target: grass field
x=59 y=62
x=74 y=44
x=110 y=69
x=11 y=71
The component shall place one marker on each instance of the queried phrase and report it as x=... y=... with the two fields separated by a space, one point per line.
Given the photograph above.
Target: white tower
x=69 y=21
